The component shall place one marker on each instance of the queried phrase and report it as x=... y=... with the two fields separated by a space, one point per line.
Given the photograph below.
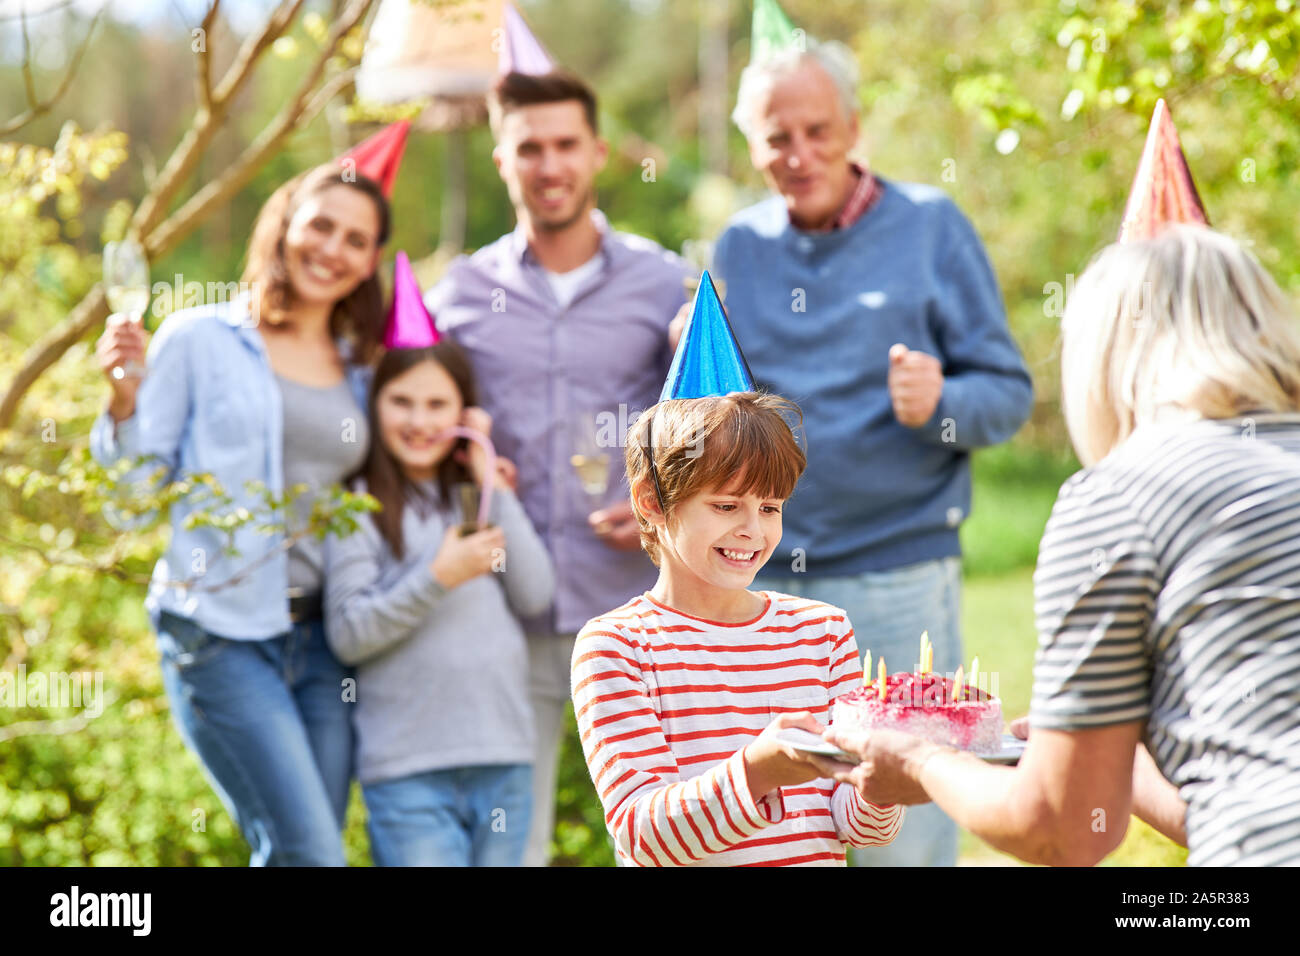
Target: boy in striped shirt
x=680 y=693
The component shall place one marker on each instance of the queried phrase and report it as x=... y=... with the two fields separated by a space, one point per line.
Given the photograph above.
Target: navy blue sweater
x=815 y=315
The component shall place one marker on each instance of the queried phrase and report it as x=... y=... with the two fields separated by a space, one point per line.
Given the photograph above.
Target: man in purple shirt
x=565 y=321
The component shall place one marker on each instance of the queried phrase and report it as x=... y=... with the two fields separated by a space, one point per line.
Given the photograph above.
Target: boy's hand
x=461 y=559
x=771 y=763
x=617 y=526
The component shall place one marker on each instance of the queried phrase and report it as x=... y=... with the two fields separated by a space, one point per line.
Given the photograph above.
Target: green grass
x=1013 y=492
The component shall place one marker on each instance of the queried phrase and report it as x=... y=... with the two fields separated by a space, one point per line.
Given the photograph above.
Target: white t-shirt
x=565 y=285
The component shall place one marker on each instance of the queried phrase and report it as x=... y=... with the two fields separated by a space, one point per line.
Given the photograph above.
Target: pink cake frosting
x=922 y=704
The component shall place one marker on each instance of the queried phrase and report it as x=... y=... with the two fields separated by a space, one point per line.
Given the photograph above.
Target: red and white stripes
x=665 y=702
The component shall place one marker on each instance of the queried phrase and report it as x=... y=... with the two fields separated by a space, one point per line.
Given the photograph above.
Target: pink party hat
x=521 y=52
x=410 y=326
x=1163 y=191
x=380 y=156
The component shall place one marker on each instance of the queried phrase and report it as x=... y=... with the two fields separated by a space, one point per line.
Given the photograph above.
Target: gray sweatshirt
x=442 y=676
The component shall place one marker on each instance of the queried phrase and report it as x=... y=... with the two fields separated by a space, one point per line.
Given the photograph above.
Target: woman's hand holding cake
x=890 y=767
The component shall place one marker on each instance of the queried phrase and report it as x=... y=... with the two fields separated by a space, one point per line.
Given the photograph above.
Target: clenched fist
x=915 y=384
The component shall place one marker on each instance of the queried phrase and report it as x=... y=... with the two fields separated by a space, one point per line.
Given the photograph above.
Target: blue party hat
x=708 y=360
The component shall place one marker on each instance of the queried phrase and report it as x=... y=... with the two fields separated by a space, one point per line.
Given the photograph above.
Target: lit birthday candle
x=866 y=670
x=975 y=674
x=880 y=684
x=957 y=686
x=923 y=666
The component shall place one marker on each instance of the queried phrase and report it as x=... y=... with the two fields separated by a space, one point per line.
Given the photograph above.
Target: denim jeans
x=269 y=724
x=460 y=816
x=889 y=610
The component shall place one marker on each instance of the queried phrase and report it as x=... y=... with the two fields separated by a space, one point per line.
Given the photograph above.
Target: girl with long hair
x=428 y=612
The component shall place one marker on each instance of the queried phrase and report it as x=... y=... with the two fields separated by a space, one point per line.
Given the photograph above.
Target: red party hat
x=380 y=156
x=1163 y=191
x=410 y=326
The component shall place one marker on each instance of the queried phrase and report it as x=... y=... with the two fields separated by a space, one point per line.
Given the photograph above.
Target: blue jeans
x=269 y=724
x=889 y=610
x=461 y=816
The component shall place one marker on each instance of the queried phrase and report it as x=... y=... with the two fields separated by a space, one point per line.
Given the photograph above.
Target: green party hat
x=771 y=31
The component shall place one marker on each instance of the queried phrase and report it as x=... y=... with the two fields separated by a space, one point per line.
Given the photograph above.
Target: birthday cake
x=924 y=705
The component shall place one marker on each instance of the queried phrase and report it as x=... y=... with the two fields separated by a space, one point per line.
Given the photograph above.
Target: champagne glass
x=126 y=284
x=589 y=457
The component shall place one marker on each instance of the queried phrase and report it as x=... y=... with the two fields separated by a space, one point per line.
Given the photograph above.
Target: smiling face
x=331 y=244
x=548 y=158
x=413 y=409
x=717 y=539
x=800 y=142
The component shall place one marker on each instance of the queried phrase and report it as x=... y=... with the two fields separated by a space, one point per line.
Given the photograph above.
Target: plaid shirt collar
x=864 y=196
x=866 y=193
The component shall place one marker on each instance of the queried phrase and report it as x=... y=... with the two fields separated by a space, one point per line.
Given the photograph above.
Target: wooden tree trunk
x=451 y=232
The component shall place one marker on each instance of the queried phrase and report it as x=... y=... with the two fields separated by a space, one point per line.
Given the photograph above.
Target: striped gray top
x=1168 y=591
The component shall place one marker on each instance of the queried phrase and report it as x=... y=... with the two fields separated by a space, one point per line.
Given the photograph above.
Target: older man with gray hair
x=873 y=305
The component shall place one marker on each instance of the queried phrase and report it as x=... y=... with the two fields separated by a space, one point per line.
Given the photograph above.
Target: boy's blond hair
x=743 y=442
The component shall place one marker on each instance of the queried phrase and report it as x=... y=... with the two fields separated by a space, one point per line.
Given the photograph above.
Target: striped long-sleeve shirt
x=1168 y=592
x=665 y=703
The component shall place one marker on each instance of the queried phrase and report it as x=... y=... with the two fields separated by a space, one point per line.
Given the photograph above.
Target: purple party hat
x=521 y=52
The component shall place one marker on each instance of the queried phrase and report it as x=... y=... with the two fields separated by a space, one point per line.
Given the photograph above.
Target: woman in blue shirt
x=268 y=387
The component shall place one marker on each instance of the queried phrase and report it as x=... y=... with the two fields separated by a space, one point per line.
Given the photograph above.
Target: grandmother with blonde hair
x=1168 y=583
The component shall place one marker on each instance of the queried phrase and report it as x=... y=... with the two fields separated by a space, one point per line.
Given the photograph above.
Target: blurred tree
x=157 y=229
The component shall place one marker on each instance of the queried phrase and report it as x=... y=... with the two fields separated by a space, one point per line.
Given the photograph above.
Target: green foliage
x=43 y=273
x=580 y=837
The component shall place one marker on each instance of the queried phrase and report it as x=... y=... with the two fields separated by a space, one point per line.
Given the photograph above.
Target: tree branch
x=36 y=106
x=253 y=49
x=159 y=236
x=89 y=312
x=68 y=725
x=111 y=566
x=237 y=175
x=292 y=116
x=185 y=157
x=205 y=58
